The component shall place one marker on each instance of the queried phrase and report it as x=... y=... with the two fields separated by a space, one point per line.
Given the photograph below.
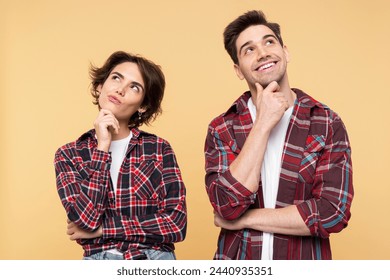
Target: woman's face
x=123 y=91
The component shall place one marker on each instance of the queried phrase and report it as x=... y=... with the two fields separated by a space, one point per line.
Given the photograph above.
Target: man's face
x=123 y=91
x=261 y=58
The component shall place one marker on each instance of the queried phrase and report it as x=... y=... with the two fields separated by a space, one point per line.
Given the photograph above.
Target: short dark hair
x=234 y=29
x=152 y=75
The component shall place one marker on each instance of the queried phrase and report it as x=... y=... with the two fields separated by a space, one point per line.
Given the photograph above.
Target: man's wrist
x=245 y=220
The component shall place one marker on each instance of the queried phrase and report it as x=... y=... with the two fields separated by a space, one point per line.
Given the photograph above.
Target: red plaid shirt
x=316 y=175
x=148 y=210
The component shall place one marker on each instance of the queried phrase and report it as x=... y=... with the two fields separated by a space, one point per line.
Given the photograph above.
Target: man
x=278 y=162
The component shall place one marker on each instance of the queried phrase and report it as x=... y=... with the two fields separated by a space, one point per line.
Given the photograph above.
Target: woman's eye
x=135 y=88
x=115 y=77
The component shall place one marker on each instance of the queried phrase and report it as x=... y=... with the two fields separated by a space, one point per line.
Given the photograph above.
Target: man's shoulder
x=222 y=118
x=232 y=113
x=317 y=109
x=307 y=100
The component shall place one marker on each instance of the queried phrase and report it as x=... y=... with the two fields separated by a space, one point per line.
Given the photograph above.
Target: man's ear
x=286 y=53
x=238 y=72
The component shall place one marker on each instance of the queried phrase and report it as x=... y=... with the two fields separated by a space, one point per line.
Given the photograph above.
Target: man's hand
x=270 y=104
x=230 y=225
x=105 y=124
x=77 y=233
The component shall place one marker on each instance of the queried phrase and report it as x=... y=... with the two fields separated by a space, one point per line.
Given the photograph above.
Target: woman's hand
x=105 y=124
x=77 y=233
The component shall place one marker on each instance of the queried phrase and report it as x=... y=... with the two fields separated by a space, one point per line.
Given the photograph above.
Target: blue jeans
x=150 y=254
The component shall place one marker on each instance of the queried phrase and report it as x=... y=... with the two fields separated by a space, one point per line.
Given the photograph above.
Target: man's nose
x=261 y=53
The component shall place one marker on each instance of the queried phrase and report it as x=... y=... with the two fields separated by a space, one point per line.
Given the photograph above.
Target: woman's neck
x=124 y=131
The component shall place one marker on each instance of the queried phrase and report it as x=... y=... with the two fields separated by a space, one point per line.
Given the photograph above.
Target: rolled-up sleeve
x=229 y=198
x=82 y=188
x=329 y=209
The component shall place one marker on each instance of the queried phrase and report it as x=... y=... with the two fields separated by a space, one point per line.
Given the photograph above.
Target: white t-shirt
x=118 y=150
x=270 y=170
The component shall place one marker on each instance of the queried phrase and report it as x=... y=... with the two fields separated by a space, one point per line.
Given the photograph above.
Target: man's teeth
x=268 y=65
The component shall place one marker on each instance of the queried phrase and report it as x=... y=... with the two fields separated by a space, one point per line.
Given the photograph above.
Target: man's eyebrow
x=264 y=38
x=270 y=35
x=244 y=45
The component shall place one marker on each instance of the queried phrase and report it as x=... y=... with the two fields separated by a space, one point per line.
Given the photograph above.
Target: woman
x=121 y=187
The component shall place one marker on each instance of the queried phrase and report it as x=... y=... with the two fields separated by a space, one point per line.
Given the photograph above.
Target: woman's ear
x=99 y=88
x=142 y=110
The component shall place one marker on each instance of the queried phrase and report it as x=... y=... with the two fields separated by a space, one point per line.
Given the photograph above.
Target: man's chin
x=265 y=84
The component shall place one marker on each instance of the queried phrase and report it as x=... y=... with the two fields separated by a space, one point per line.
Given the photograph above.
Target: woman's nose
x=120 y=91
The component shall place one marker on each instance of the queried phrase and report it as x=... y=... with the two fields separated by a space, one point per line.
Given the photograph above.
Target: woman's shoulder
x=81 y=143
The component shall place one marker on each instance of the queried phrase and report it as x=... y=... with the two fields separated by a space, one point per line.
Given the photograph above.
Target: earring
x=139 y=115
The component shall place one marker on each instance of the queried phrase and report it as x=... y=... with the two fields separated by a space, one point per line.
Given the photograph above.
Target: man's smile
x=265 y=66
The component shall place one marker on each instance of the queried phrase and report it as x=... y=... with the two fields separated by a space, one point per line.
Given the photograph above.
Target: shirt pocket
x=314 y=147
x=146 y=180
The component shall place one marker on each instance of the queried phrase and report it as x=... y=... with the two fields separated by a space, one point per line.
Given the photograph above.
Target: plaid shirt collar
x=92 y=134
x=241 y=104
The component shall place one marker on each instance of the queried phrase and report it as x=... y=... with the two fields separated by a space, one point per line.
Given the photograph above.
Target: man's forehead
x=255 y=32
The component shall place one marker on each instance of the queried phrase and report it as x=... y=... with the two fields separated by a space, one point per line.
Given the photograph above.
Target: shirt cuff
x=100 y=160
x=309 y=216
x=239 y=190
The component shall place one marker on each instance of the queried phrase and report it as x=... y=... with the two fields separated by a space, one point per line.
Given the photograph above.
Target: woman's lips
x=114 y=100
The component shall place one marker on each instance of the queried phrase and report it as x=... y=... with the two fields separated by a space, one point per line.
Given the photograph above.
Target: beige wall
x=340 y=55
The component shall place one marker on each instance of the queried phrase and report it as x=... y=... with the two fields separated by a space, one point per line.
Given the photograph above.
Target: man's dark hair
x=234 y=29
x=152 y=75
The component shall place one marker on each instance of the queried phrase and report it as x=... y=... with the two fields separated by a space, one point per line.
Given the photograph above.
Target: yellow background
x=340 y=55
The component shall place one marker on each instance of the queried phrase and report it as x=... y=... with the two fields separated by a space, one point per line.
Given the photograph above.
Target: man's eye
x=248 y=50
x=269 y=42
x=115 y=77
